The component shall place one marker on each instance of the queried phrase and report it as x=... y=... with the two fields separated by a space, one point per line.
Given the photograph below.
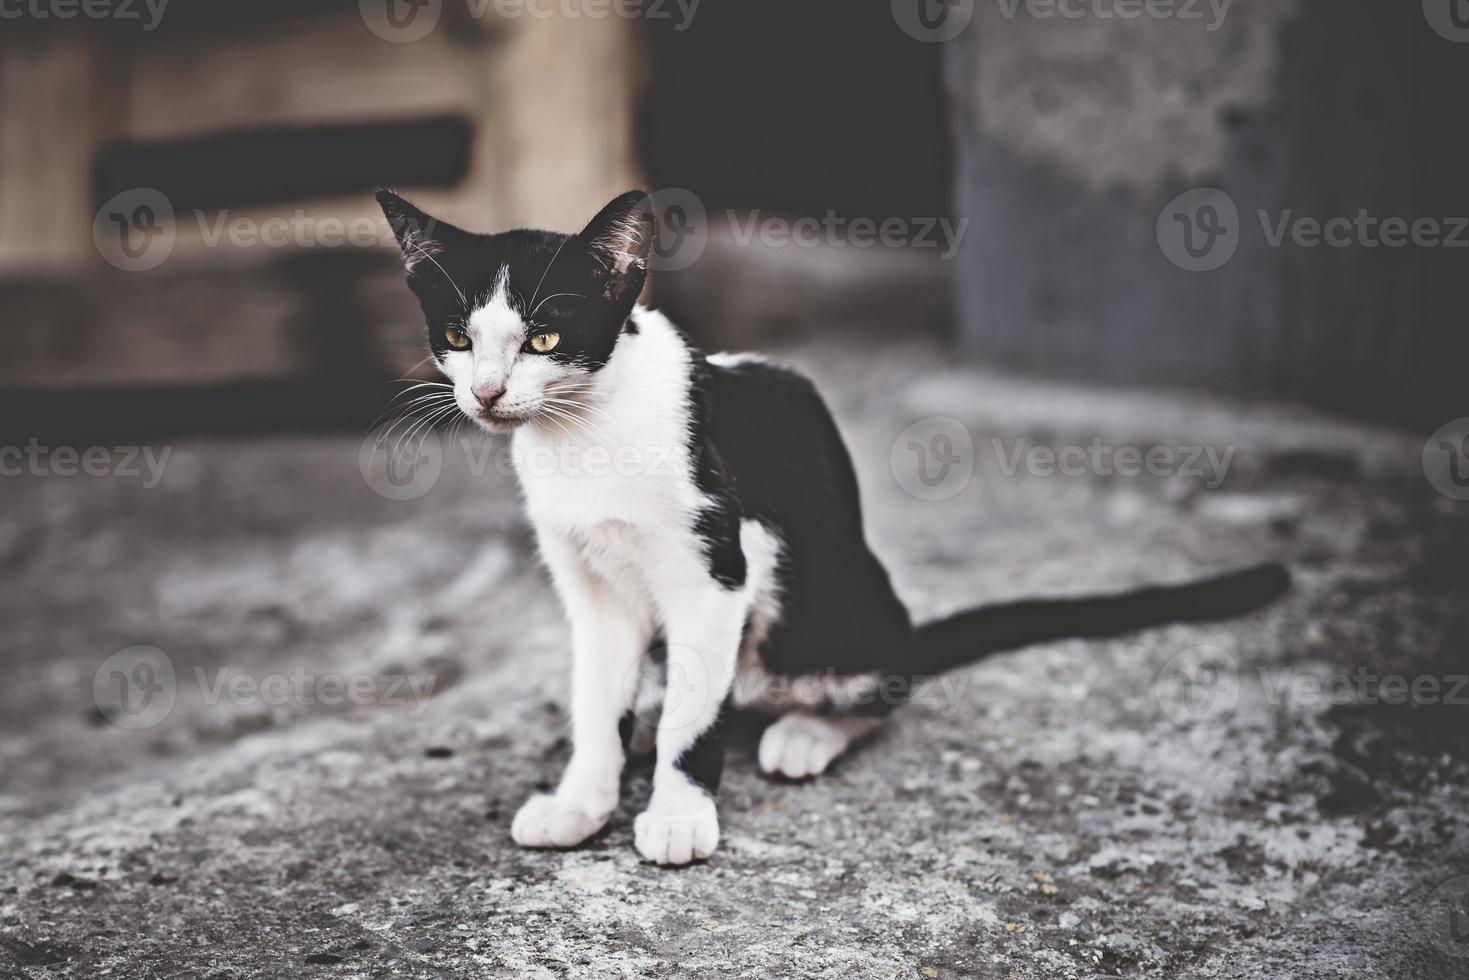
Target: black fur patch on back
x=779 y=452
x=718 y=523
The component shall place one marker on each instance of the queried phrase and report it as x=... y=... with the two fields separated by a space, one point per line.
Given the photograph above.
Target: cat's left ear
x=420 y=235
x=619 y=238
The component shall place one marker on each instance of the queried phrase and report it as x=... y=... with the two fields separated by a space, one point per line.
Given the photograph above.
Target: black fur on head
x=582 y=286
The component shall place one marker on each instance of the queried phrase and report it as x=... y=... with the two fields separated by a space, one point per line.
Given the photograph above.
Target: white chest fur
x=620 y=484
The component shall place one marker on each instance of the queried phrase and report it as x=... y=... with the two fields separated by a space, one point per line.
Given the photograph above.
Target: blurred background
x=189 y=239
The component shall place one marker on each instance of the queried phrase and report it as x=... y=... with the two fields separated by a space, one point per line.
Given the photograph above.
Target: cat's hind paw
x=799 y=746
x=547 y=821
x=678 y=835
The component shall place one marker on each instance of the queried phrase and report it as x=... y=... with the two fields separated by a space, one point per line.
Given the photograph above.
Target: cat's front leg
x=681 y=823
x=608 y=639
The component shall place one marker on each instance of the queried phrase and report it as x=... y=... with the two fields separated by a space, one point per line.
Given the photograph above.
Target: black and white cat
x=721 y=538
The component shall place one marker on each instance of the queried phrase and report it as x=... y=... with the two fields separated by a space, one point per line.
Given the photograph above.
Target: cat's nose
x=486 y=394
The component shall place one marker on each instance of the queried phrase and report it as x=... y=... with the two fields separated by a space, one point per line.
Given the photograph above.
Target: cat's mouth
x=501 y=421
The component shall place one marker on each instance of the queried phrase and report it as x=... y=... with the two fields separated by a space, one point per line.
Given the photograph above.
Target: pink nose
x=488 y=393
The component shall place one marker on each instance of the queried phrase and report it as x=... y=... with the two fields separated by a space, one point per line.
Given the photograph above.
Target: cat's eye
x=544 y=343
x=458 y=339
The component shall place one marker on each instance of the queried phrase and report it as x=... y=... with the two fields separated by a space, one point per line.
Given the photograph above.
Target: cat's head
x=518 y=319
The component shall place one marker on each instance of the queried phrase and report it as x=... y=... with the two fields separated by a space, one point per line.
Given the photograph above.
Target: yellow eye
x=458 y=339
x=544 y=343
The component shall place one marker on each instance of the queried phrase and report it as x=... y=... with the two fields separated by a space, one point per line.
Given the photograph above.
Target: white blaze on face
x=496 y=359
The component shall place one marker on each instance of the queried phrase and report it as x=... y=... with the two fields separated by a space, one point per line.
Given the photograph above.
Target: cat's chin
x=500 y=423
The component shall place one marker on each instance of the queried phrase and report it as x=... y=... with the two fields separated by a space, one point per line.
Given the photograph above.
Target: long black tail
x=976 y=633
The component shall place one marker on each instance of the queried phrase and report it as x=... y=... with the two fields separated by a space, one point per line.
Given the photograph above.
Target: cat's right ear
x=419 y=235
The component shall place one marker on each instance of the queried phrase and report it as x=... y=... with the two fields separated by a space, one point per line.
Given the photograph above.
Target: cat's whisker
x=409 y=421
x=560 y=402
x=581 y=424
x=542 y=281
x=422 y=384
x=568 y=404
x=544 y=416
x=555 y=393
x=415 y=367
x=398 y=402
x=421 y=428
x=438 y=388
x=425 y=399
x=532 y=313
x=435 y=261
x=575 y=391
x=573 y=388
x=413 y=413
x=407 y=409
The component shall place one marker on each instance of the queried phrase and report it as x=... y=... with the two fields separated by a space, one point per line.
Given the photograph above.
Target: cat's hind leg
x=640 y=725
x=802 y=744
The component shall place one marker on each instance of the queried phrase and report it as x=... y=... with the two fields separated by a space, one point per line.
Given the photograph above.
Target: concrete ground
x=1228 y=800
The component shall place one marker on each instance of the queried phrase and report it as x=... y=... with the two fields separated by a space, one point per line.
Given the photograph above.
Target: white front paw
x=677 y=834
x=548 y=821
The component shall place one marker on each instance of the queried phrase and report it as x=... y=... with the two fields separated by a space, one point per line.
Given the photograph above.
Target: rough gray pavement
x=1063 y=811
